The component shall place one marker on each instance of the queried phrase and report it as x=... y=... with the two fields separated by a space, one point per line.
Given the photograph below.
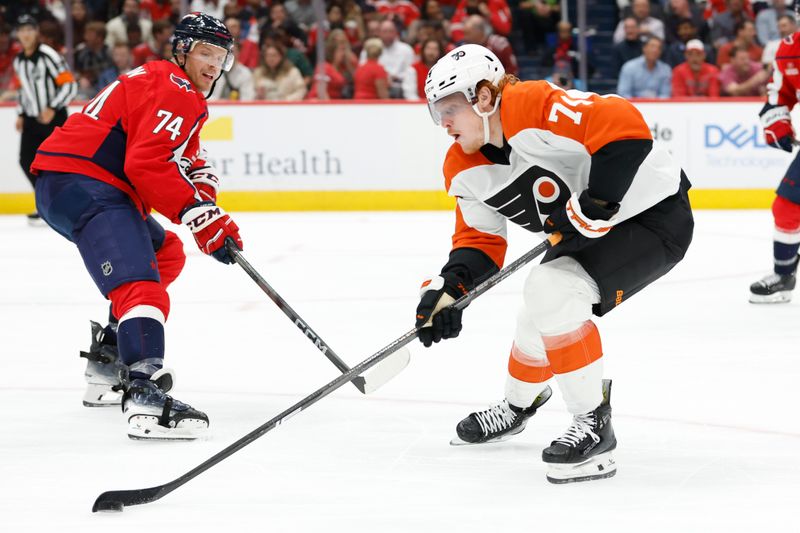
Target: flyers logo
x=458 y=55
x=182 y=83
x=530 y=198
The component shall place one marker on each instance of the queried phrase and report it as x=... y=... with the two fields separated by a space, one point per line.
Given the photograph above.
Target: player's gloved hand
x=777 y=123
x=581 y=220
x=207 y=184
x=436 y=319
x=210 y=226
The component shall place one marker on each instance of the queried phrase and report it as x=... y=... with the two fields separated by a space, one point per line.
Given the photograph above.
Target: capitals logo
x=182 y=83
x=530 y=198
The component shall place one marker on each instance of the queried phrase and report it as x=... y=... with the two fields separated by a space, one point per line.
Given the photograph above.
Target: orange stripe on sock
x=574 y=350
x=528 y=369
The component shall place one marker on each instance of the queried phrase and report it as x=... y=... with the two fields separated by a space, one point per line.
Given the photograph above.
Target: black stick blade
x=117 y=500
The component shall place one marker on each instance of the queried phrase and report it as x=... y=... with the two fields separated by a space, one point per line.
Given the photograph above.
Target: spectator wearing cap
x=117 y=28
x=743 y=76
x=629 y=48
x=695 y=77
x=767 y=22
x=478 y=31
x=8 y=51
x=787 y=25
x=46 y=88
x=745 y=40
x=674 y=55
x=648 y=26
x=371 y=80
x=646 y=76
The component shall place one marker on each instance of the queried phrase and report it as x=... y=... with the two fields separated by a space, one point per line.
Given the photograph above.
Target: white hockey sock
x=582 y=389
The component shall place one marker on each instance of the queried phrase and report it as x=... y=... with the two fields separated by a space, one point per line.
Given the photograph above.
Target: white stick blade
x=386 y=370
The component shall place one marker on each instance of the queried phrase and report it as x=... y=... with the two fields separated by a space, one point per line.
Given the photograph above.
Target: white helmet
x=460 y=71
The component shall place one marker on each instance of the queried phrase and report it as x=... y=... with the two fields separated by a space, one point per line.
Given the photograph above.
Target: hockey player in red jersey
x=550 y=161
x=782 y=94
x=133 y=148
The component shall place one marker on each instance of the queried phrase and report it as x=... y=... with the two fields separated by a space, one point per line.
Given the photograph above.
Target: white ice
x=705 y=393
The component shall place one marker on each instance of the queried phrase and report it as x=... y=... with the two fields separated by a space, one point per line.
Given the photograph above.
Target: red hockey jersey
x=785 y=76
x=139 y=134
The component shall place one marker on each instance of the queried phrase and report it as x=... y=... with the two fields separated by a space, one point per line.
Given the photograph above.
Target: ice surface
x=705 y=392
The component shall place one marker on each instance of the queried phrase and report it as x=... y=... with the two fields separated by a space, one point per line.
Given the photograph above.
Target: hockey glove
x=210 y=226
x=438 y=321
x=777 y=123
x=207 y=184
x=581 y=220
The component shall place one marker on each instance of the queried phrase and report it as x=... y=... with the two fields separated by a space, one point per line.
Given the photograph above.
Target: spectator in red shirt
x=248 y=50
x=478 y=31
x=331 y=81
x=157 y=9
x=743 y=76
x=371 y=80
x=162 y=33
x=695 y=77
x=496 y=12
x=431 y=50
x=745 y=40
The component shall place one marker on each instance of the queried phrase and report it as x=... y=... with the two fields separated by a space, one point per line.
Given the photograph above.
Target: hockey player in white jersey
x=551 y=161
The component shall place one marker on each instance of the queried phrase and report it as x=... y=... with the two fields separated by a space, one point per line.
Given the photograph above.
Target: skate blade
x=458 y=441
x=780 y=297
x=143 y=427
x=101 y=396
x=601 y=466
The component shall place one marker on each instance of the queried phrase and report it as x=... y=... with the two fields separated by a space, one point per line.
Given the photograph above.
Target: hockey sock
x=110 y=331
x=527 y=377
x=785 y=256
x=140 y=338
x=576 y=360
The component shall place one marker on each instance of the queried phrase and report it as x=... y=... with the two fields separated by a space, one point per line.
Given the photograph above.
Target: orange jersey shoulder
x=457 y=161
x=588 y=118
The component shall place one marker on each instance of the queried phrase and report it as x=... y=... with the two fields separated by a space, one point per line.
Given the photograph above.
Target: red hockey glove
x=580 y=221
x=210 y=226
x=777 y=123
x=207 y=184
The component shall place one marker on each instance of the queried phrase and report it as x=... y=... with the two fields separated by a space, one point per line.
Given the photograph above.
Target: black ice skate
x=152 y=414
x=497 y=423
x=773 y=289
x=103 y=368
x=583 y=453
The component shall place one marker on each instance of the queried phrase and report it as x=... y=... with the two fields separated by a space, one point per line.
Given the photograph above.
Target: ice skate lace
x=771 y=279
x=581 y=427
x=496 y=418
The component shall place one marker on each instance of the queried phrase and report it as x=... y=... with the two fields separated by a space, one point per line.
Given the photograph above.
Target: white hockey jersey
x=552 y=136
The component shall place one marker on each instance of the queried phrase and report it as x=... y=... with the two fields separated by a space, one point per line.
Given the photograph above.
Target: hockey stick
x=367 y=384
x=116 y=500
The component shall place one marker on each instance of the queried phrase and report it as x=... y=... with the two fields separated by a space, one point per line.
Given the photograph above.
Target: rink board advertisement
x=389 y=155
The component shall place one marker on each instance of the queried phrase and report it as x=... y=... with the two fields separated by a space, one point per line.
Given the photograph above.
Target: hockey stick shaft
x=117 y=499
x=284 y=306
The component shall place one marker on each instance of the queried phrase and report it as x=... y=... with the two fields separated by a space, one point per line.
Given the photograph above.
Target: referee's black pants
x=33 y=134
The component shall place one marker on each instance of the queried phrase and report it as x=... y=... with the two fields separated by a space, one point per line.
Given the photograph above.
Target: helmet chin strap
x=485 y=117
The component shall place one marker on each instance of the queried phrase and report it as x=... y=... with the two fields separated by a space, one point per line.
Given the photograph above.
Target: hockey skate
x=773 y=289
x=103 y=369
x=152 y=414
x=499 y=422
x=583 y=453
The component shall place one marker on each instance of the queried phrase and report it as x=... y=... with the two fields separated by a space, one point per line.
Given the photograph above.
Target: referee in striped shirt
x=46 y=88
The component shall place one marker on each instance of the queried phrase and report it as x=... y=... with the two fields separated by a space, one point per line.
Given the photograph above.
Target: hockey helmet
x=460 y=71
x=198 y=27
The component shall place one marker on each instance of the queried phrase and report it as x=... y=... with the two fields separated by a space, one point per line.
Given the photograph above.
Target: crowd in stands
x=683 y=49
x=369 y=49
